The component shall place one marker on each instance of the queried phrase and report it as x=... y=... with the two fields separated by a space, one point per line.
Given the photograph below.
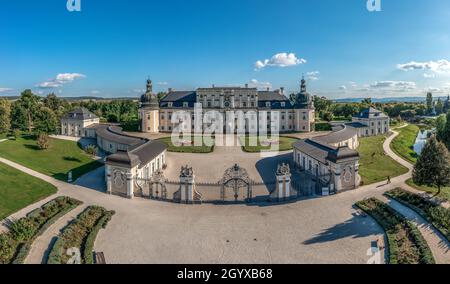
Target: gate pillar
x=283 y=183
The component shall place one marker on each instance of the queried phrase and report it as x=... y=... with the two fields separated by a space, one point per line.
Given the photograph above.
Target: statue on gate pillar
x=187 y=193
x=283 y=183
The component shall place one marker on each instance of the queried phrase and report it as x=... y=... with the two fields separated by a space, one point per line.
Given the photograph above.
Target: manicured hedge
x=24 y=231
x=81 y=234
x=405 y=243
x=435 y=214
x=90 y=240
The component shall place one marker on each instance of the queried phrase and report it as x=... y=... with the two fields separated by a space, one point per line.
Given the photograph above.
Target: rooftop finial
x=149 y=85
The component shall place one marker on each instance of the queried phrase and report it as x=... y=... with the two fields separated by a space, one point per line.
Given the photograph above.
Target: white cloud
x=259 y=85
x=313 y=76
x=69 y=77
x=61 y=79
x=439 y=66
x=280 y=60
x=95 y=92
x=394 y=85
x=429 y=75
x=343 y=88
x=163 y=83
x=432 y=90
x=5 y=90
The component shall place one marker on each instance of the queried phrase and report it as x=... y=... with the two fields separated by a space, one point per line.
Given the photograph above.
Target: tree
x=328 y=116
x=429 y=103
x=433 y=166
x=28 y=105
x=439 y=107
x=5 y=115
x=446 y=132
x=46 y=121
x=43 y=141
x=441 y=122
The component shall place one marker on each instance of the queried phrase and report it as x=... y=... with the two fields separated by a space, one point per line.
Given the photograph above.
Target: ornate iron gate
x=236 y=178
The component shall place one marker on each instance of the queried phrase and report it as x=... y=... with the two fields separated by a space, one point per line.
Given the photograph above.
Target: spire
x=303 y=84
x=149 y=86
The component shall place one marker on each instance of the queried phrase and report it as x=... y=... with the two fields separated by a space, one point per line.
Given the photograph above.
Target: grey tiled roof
x=271 y=96
x=335 y=137
x=371 y=113
x=185 y=96
x=313 y=149
x=80 y=114
x=115 y=134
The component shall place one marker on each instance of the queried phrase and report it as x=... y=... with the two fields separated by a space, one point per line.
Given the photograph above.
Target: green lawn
x=18 y=190
x=445 y=191
x=374 y=164
x=56 y=161
x=285 y=144
x=186 y=148
x=403 y=144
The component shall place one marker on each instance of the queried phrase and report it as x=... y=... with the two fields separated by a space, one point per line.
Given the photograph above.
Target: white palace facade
x=297 y=116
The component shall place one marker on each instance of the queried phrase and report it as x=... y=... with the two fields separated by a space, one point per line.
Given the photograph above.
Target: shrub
x=91 y=150
x=22 y=230
x=43 y=141
x=6 y=248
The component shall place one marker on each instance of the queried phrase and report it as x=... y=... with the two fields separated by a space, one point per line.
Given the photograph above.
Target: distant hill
x=83 y=98
x=387 y=100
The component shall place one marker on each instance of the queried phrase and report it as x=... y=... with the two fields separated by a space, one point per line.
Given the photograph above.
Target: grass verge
x=374 y=164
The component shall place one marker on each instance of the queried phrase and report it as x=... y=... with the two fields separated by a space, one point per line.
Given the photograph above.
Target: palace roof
x=371 y=113
x=80 y=114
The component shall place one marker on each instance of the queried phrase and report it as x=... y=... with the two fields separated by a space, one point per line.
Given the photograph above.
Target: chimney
x=170 y=90
x=213 y=86
x=282 y=90
x=268 y=89
x=246 y=86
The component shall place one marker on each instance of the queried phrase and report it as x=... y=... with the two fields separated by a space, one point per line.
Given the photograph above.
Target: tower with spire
x=304 y=109
x=149 y=110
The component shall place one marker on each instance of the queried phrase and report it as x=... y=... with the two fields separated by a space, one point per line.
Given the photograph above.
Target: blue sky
x=112 y=46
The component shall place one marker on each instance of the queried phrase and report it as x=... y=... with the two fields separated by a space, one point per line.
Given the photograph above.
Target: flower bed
x=80 y=235
x=406 y=244
x=16 y=244
x=437 y=215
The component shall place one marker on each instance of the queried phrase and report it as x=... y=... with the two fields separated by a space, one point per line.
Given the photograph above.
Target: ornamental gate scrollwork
x=234 y=179
x=156 y=186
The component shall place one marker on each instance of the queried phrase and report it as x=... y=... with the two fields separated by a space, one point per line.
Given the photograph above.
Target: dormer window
x=267 y=104
x=170 y=104
x=185 y=104
x=283 y=104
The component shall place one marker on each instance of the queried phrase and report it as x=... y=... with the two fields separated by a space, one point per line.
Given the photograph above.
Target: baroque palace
x=330 y=162
x=295 y=116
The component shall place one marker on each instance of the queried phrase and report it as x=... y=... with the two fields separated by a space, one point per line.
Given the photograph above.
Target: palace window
x=283 y=104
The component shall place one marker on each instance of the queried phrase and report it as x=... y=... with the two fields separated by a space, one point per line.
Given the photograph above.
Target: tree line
x=34 y=114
